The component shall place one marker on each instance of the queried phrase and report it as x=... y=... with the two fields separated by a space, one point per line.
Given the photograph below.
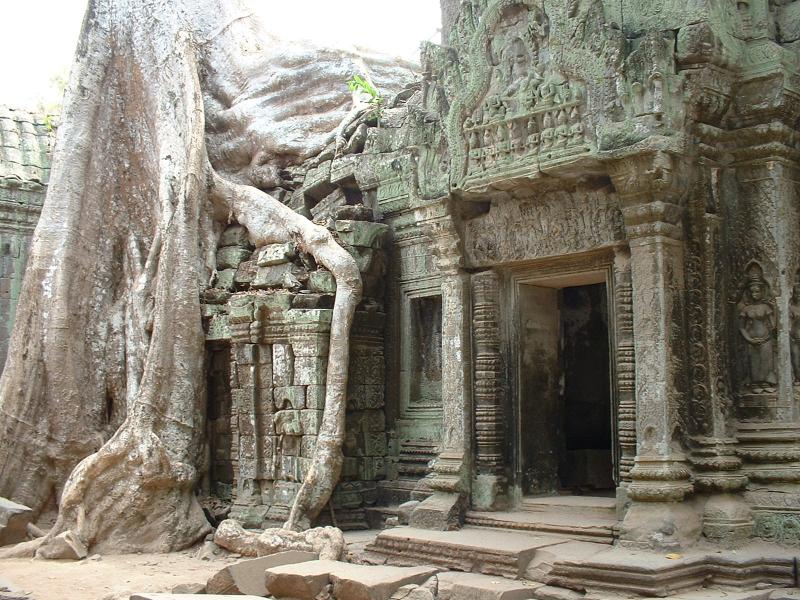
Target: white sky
x=39 y=36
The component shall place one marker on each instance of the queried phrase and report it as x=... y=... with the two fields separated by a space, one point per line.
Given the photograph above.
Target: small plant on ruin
x=357 y=83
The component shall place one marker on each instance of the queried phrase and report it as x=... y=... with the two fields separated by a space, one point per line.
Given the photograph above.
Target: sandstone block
x=302 y=581
x=146 y=596
x=65 y=546
x=189 y=588
x=232 y=257
x=317 y=316
x=311 y=345
x=362 y=233
x=311 y=421
x=315 y=396
x=288 y=422
x=247 y=576
x=362 y=582
x=290 y=396
x=277 y=276
x=282 y=365
x=225 y=279
x=14 y=520
x=308 y=446
x=471 y=586
x=355 y=212
x=322 y=281
x=234 y=235
x=310 y=370
x=276 y=254
x=246 y=272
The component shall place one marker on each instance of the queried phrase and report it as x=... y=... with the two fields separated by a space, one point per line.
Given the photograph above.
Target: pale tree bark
x=174 y=108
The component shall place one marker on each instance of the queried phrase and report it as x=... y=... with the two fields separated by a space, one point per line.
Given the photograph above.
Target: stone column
x=450 y=482
x=651 y=194
x=488 y=487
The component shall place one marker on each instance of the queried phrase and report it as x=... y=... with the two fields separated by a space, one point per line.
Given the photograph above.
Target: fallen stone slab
x=14 y=520
x=351 y=582
x=365 y=582
x=302 y=581
x=455 y=585
x=556 y=593
x=65 y=546
x=248 y=576
x=189 y=588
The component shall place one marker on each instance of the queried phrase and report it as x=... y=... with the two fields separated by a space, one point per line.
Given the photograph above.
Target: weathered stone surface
x=276 y=254
x=231 y=257
x=354 y=582
x=163 y=596
x=189 y=588
x=247 y=576
x=362 y=233
x=14 y=521
x=470 y=586
x=548 y=592
x=363 y=582
x=283 y=275
x=322 y=282
x=66 y=546
x=234 y=235
x=302 y=581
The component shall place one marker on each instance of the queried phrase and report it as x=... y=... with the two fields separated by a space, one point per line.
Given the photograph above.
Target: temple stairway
x=578 y=518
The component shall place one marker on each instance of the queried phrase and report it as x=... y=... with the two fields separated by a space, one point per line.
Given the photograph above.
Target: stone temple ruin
x=578 y=236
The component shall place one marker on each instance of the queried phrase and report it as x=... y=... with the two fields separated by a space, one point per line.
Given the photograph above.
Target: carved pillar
x=717 y=468
x=625 y=363
x=651 y=193
x=444 y=510
x=487 y=381
x=764 y=266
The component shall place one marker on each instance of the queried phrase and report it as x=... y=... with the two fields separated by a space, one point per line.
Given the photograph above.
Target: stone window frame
x=421 y=289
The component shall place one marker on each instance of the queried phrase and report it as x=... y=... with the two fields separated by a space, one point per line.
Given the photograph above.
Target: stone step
x=585 y=506
x=471 y=549
x=563 y=525
x=455 y=585
x=622 y=571
x=305 y=581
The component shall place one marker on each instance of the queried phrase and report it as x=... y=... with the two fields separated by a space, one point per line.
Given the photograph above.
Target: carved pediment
x=519 y=114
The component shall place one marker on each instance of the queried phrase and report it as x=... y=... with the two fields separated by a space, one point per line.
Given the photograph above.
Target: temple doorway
x=565 y=400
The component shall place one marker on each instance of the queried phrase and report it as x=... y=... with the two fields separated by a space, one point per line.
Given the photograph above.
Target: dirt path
x=110 y=577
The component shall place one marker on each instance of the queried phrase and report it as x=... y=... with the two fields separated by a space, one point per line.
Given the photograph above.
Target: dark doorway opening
x=565 y=392
x=586 y=463
x=219 y=405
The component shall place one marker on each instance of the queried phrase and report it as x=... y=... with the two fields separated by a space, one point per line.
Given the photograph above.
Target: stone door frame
x=559 y=272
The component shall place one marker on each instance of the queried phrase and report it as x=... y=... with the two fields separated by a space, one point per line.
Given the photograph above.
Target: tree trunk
x=170 y=113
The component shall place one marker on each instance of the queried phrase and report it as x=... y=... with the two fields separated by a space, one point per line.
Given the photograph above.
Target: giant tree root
x=328 y=542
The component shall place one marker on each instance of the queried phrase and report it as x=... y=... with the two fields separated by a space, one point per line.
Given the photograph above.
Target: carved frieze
x=559 y=223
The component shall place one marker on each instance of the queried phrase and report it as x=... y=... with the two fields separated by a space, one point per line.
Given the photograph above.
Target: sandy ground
x=110 y=577
x=117 y=577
